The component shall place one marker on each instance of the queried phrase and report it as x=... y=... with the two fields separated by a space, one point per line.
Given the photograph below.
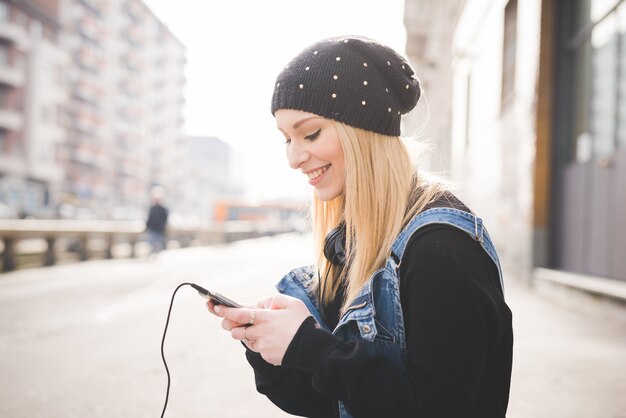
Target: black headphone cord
x=167 y=321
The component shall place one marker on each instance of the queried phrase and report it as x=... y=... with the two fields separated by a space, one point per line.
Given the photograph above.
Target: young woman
x=404 y=314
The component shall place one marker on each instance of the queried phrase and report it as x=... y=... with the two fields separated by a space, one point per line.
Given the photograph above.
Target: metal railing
x=81 y=233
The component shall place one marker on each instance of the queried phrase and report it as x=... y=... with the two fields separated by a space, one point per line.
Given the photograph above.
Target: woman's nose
x=297 y=154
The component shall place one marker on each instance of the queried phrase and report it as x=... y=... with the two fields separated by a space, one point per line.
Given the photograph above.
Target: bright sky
x=235 y=50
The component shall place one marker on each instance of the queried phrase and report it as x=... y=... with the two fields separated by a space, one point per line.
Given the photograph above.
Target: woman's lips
x=316 y=175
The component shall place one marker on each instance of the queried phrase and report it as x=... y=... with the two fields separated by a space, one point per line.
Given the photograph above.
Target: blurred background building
x=91 y=115
x=536 y=95
x=32 y=100
x=211 y=170
x=124 y=116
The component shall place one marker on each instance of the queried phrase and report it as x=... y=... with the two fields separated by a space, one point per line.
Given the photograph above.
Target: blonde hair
x=383 y=191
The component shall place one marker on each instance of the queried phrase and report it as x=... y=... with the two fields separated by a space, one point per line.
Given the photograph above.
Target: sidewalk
x=565 y=364
x=83 y=340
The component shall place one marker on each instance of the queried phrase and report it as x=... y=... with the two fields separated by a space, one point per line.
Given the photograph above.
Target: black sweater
x=459 y=345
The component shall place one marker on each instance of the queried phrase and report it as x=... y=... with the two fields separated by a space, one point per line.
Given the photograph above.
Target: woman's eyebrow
x=301 y=121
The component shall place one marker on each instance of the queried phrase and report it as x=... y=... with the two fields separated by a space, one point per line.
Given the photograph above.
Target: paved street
x=83 y=340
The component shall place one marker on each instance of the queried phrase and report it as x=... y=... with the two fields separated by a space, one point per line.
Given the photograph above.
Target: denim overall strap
x=465 y=221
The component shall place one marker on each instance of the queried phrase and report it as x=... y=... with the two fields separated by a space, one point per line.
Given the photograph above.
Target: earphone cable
x=167 y=370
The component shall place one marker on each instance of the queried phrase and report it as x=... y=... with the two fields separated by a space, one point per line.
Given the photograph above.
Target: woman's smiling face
x=314 y=148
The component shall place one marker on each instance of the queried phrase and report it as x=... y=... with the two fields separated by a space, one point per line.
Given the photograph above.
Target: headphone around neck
x=335 y=246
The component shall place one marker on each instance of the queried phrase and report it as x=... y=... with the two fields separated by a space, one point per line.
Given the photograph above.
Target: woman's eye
x=314 y=135
x=287 y=140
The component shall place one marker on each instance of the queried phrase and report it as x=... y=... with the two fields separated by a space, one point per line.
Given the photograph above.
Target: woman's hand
x=227 y=324
x=267 y=330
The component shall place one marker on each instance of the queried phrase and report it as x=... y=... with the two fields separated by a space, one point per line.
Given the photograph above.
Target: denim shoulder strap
x=465 y=221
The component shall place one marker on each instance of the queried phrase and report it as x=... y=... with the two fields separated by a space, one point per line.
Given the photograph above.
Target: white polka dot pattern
x=354 y=80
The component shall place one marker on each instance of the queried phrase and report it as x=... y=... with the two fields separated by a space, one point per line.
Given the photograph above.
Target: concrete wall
x=493 y=144
x=488 y=147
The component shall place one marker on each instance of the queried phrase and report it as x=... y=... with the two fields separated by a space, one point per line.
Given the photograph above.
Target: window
x=603 y=105
x=4 y=11
x=20 y=18
x=621 y=90
x=36 y=29
x=599 y=85
x=19 y=60
x=509 y=50
x=468 y=110
x=3 y=142
x=4 y=95
x=4 y=54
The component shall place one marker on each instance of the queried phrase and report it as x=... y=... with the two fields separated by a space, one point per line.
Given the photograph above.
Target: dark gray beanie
x=351 y=79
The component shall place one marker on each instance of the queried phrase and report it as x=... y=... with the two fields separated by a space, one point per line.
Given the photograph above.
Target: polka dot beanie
x=354 y=80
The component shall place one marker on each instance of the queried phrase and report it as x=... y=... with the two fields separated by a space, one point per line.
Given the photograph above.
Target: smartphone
x=216 y=297
x=222 y=300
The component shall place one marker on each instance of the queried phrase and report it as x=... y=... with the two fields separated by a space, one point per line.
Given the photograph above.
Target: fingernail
x=217 y=308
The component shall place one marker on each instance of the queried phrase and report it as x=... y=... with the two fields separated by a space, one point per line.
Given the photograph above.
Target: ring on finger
x=245 y=340
x=252 y=317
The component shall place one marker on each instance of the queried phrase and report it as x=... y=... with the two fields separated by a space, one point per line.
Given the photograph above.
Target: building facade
x=126 y=85
x=536 y=111
x=587 y=224
x=32 y=99
x=91 y=107
x=430 y=27
x=210 y=171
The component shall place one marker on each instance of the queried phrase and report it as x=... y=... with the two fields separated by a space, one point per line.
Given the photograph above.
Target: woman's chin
x=326 y=195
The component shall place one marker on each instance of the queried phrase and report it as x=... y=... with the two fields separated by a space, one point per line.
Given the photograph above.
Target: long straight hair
x=383 y=191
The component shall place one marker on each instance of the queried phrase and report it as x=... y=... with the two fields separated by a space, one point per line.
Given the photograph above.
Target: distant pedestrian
x=157 y=222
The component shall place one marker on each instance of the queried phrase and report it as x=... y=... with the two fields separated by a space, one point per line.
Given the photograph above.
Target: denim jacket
x=375 y=316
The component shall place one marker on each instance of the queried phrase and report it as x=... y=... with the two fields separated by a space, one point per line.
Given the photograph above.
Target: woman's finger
x=228 y=325
x=211 y=307
x=265 y=302
x=281 y=301
x=246 y=334
x=239 y=315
